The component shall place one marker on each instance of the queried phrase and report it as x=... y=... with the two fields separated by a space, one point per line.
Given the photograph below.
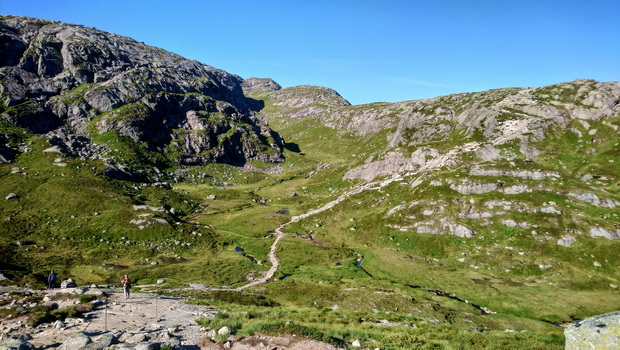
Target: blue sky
x=368 y=51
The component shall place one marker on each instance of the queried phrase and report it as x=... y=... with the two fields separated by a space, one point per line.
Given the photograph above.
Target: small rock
x=567 y=241
x=224 y=331
x=11 y=196
x=147 y=346
x=161 y=281
x=137 y=338
x=174 y=344
x=597 y=264
x=356 y=343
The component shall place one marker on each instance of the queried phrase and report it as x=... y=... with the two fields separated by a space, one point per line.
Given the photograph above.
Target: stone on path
x=104 y=341
x=598 y=332
x=14 y=343
x=68 y=283
x=76 y=341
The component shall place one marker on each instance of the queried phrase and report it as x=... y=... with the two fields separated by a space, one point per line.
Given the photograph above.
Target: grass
x=78 y=222
x=385 y=331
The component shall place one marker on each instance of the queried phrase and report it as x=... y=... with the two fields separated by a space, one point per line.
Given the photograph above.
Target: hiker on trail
x=126 y=282
x=51 y=279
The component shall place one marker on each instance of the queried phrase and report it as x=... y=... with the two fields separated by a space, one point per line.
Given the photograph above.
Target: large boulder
x=8 y=342
x=598 y=332
x=76 y=341
x=68 y=283
x=103 y=342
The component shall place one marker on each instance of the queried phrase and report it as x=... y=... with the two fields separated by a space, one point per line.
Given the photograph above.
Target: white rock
x=550 y=210
x=225 y=331
x=356 y=343
x=601 y=232
x=567 y=241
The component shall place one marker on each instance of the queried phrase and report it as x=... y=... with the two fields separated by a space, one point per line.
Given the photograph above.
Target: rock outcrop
x=598 y=332
x=85 y=89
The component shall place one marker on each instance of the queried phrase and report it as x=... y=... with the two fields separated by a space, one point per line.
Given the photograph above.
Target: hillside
x=484 y=219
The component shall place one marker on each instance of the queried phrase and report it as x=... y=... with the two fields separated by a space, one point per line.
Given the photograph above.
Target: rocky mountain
x=91 y=92
x=560 y=139
x=488 y=219
x=491 y=119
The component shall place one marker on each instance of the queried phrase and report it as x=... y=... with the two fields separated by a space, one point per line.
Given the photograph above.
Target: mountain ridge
x=80 y=85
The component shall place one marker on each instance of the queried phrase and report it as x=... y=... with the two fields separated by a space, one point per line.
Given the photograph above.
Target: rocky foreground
x=148 y=321
x=144 y=321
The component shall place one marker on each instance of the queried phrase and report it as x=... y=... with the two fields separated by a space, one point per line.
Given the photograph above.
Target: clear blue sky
x=381 y=50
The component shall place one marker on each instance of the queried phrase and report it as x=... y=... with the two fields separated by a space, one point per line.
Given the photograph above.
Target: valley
x=481 y=220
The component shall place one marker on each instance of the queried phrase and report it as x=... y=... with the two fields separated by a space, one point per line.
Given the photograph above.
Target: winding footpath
x=279 y=234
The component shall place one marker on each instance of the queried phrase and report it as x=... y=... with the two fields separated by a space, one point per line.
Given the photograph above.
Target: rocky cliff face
x=85 y=90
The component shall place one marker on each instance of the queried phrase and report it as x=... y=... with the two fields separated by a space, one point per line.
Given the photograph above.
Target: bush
x=86 y=298
x=40 y=317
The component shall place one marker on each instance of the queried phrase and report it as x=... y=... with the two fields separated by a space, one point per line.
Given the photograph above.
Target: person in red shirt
x=126 y=282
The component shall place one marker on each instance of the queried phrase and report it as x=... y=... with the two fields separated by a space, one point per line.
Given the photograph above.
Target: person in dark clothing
x=51 y=279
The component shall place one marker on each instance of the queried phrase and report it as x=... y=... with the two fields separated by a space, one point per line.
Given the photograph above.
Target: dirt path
x=279 y=234
x=143 y=316
x=146 y=313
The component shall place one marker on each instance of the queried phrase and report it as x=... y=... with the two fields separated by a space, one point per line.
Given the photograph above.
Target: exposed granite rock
x=257 y=84
x=77 y=85
x=602 y=232
x=8 y=342
x=76 y=341
x=567 y=241
x=475 y=188
x=593 y=199
x=523 y=174
x=598 y=332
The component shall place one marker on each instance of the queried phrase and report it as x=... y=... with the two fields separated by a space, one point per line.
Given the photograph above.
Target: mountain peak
x=82 y=87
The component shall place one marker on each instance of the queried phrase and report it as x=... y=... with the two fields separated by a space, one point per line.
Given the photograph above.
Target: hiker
x=126 y=282
x=51 y=279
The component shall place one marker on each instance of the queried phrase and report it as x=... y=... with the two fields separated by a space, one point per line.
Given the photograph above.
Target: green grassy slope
x=418 y=286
